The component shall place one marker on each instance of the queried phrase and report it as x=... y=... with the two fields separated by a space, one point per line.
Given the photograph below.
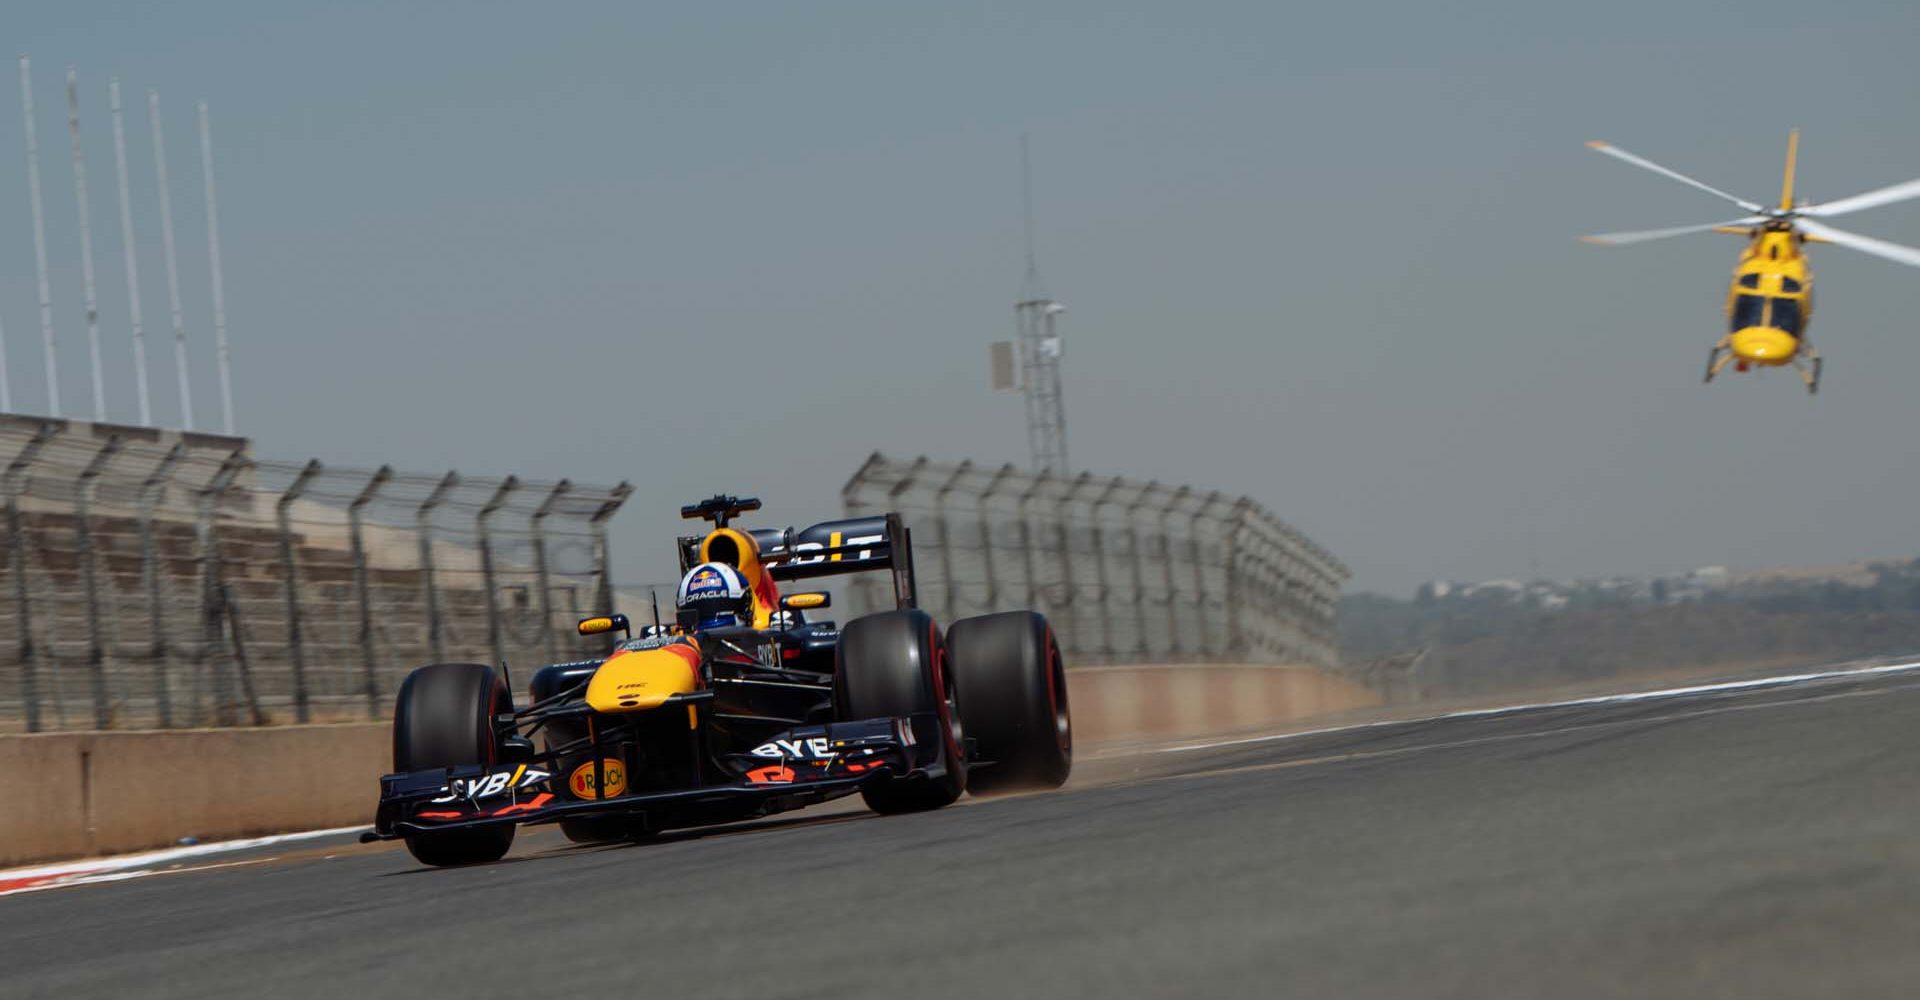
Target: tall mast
x=213 y=261
x=86 y=247
x=40 y=243
x=1040 y=348
x=126 y=243
x=173 y=267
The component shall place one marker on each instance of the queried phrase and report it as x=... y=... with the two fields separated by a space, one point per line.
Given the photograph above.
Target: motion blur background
x=1321 y=256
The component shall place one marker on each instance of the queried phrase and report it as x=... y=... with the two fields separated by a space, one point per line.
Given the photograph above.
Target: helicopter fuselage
x=1770 y=301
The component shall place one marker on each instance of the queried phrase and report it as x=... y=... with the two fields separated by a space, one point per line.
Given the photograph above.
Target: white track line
x=1605 y=699
x=92 y=869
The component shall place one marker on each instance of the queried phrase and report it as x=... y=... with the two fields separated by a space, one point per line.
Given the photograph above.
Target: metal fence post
x=150 y=580
x=1026 y=536
x=296 y=652
x=89 y=581
x=1139 y=568
x=212 y=597
x=945 y=539
x=17 y=560
x=423 y=519
x=602 y=555
x=1166 y=565
x=1063 y=535
x=496 y=640
x=1234 y=595
x=537 y=529
x=1199 y=568
x=1100 y=565
x=850 y=493
x=986 y=536
x=362 y=591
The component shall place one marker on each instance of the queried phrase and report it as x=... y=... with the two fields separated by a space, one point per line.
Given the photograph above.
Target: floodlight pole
x=40 y=243
x=219 y=287
x=173 y=266
x=86 y=248
x=126 y=245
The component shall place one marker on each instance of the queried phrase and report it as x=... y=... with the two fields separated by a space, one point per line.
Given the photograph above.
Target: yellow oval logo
x=581 y=782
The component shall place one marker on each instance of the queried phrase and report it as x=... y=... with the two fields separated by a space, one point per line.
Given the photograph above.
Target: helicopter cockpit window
x=1749 y=281
x=1748 y=310
x=1788 y=284
x=1786 y=315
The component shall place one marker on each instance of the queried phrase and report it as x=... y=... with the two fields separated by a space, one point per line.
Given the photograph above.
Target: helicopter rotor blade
x=1646 y=164
x=1872 y=199
x=1643 y=235
x=1865 y=244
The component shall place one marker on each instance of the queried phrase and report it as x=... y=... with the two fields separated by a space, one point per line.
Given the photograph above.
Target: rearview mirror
x=605 y=623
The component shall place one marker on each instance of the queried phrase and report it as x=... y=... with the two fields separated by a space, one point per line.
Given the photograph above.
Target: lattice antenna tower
x=1038 y=343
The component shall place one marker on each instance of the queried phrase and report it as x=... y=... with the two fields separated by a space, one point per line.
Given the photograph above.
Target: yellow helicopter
x=1771 y=299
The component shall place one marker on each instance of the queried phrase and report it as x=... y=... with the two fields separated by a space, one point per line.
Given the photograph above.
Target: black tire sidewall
x=893 y=664
x=1013 y=692
x=443 y=717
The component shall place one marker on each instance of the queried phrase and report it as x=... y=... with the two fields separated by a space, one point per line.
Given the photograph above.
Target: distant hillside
x=1479 y=639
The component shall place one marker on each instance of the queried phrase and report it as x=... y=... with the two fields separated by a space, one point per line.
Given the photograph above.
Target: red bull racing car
x=719 y=719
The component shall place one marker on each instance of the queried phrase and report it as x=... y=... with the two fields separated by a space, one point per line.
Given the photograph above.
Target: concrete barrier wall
x=1137 y=702
x=79 y=794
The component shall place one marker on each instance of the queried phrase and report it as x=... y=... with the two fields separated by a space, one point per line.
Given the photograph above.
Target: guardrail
x=157 y=579
x=1128 y=571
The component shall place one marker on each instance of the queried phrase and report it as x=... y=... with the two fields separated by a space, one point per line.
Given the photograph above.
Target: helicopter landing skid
x=1810 y=374
x=1719 y=356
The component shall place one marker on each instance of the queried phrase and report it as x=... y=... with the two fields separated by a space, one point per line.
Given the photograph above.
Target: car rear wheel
x=443 y=717
x=893 y=664
x=1014 y=686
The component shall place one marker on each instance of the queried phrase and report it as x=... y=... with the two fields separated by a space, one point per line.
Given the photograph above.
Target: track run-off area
x=1740 y=840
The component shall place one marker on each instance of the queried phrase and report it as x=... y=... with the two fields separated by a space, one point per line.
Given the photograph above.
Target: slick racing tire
x=894 y=664
x=443 y=717
x=1014 y=689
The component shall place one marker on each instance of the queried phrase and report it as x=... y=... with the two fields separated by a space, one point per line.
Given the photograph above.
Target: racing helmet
x=714 y=595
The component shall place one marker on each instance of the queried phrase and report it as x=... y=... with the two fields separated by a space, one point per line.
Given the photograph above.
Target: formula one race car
x=712 y=720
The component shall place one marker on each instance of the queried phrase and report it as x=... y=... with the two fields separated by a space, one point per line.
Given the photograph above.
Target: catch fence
x=161 y=579
x=1127 y=571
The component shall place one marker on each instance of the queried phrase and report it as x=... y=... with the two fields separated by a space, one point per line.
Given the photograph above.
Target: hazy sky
x=1323 y=255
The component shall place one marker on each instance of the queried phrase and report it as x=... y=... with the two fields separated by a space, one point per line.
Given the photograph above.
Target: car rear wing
x=832 y=548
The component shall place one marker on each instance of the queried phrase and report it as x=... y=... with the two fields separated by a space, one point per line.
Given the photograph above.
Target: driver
x=714 y=595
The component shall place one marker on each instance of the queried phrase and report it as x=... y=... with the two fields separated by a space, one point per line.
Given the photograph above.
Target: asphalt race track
x=1748 y=843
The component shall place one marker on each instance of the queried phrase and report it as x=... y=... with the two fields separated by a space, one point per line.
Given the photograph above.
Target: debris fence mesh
x=172 y=579
x=1127 y=571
